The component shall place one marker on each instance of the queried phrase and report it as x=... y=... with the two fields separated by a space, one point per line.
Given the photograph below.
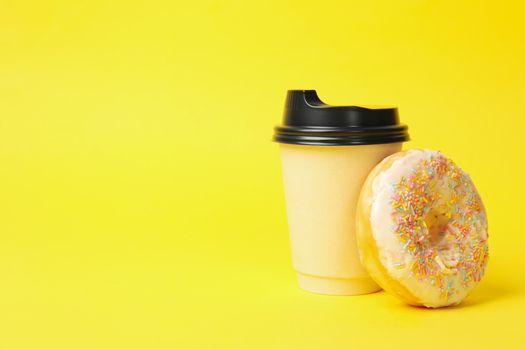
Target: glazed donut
x=422 y=229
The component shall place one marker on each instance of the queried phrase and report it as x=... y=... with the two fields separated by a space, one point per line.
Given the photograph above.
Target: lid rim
x=339 y=142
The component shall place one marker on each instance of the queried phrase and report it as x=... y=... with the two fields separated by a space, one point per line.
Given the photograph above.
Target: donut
x=421 y=229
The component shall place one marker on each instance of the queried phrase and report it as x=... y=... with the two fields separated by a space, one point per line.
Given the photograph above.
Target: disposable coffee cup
x=326 y=154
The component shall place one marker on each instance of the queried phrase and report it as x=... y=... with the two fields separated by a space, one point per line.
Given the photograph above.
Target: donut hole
x=437 y=227
x=440 y=239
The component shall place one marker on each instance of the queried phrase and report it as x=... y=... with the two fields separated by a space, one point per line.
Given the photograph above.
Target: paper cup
x=327 y=153
x=322 y=185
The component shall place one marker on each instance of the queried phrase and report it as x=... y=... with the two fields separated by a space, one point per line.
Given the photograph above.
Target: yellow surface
x=141 y=199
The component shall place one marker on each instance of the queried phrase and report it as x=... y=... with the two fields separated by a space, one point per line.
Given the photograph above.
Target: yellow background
x=141 y=204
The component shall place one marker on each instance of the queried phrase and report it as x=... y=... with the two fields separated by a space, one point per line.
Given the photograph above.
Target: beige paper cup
x=322 y=185
x=327 y=152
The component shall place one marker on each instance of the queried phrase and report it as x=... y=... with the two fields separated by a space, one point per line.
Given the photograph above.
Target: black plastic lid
x=309 y=121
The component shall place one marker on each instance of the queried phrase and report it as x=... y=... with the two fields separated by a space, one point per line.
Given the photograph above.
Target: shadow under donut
x=490 y=291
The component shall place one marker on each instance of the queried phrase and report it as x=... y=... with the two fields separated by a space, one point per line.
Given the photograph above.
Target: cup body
x=322 y=186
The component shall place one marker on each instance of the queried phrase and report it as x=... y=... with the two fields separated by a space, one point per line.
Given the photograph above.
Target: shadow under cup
x=326 y=153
